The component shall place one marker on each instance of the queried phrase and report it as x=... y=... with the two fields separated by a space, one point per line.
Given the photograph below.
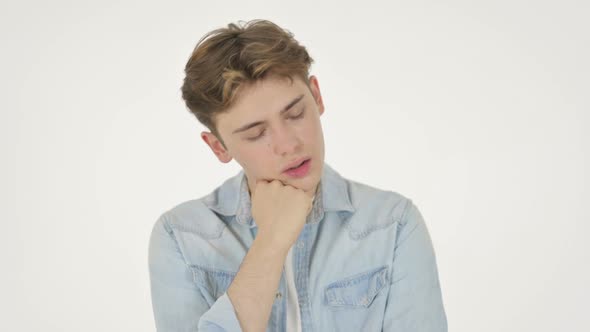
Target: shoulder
x=192 y=216
x=367 y=198
x=376 y=208
x=208 y=215
x=364 y=196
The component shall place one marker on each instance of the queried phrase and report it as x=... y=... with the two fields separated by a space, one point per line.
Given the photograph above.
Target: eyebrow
x=257 y=123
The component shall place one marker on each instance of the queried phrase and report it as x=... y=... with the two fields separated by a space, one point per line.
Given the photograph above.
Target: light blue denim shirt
x=364 y=261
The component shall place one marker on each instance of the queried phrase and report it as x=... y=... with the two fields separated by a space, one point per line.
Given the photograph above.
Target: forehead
x=261 y=99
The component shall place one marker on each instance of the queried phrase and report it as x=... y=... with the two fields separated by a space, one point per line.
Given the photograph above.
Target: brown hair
x=226 y=58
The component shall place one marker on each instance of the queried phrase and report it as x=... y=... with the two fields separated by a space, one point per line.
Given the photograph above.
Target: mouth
x=300 y=169
x=296 y=164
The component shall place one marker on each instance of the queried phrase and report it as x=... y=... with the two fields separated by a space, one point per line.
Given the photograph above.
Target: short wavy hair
x=227 y=58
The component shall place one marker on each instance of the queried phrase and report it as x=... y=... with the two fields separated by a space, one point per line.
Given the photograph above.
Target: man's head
x=250 y=86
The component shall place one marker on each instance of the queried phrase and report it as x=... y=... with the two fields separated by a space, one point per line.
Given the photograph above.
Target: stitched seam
x=211 y=270
x=213 y=235
x=410 y=206
x=359 y=235
x=355 y=277
x=166 y=223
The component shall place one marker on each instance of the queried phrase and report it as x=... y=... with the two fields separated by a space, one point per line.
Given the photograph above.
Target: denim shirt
x=363 y=261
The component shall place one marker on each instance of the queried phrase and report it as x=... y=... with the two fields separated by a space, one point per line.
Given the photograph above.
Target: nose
x=285 y=141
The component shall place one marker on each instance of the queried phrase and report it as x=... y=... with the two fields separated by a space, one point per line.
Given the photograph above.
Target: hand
x=280 y=212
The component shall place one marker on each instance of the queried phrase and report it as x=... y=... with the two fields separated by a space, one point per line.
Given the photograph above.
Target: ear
x=314 y=86
x=215 y=144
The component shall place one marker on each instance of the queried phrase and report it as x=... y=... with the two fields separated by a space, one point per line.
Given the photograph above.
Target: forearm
x=253 y=289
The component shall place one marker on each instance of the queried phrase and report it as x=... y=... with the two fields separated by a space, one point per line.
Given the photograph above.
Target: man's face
x=273 y=124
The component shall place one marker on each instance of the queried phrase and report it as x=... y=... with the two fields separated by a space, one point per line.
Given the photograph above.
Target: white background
x=477 y=111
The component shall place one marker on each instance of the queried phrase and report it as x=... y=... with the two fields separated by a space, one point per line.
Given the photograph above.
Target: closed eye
x=294 y=117
x=253 y=138
x=298 y=116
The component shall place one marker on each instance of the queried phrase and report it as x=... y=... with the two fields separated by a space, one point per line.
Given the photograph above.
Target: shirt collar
x=232 y=197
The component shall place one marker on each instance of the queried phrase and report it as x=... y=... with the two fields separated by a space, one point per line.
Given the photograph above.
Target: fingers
x=276 y=183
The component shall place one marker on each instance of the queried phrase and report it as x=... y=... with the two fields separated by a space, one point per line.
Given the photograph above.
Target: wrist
x=271 y=243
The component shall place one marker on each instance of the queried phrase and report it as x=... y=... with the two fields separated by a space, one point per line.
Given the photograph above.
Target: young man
x=288 y=244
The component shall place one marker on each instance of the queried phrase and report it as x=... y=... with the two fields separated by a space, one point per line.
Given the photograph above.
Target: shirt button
x=300 y=245
x=279 y=295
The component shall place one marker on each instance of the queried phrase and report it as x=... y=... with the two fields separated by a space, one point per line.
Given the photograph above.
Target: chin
x=310 y=182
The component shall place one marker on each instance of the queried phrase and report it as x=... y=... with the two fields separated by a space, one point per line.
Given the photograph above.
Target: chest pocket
x=355 y=303
x=213 y=283
x=357 y=291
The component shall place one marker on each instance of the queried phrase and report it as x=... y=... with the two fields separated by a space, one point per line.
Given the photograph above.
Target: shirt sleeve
x=177 y=301
x=415 y=301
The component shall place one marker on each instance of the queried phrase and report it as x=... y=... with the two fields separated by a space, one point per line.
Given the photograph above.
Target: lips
x=299 y=171
x=295 y=164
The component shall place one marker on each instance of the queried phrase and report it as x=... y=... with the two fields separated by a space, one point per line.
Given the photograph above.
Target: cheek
x=255 y=159
x=312 y=132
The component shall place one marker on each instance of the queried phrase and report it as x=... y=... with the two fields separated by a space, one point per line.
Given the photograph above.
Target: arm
x=253 y=289
x=177 y=301
x=415 y=301
x=280 y=213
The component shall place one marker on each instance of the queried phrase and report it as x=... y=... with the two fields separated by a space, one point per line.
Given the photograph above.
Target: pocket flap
x=358 y=290
x=215 y=281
